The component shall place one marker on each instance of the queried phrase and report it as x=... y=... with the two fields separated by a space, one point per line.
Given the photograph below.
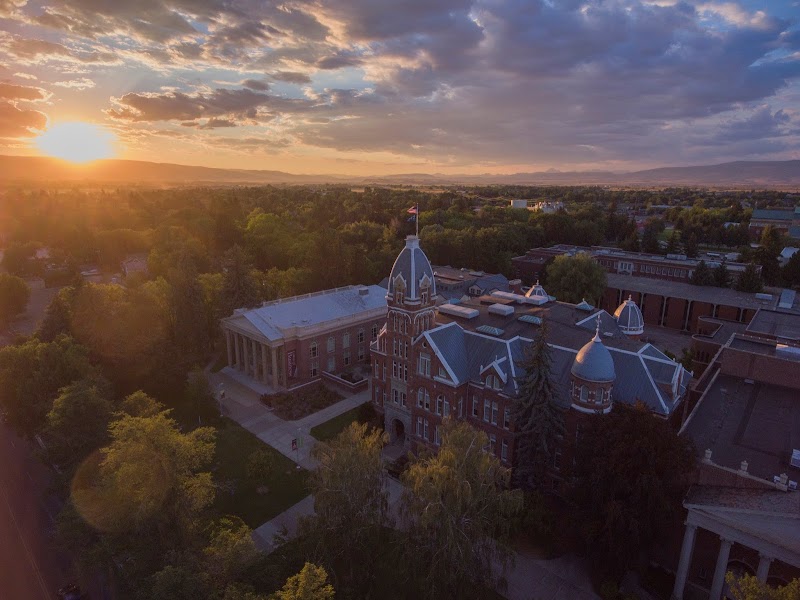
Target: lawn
x=285 y=486
x=330 y=429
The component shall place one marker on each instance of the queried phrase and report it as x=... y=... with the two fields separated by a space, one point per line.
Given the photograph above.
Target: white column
x=245 y=341
x=687 y=550
x=273 y=355
x=721 y=569
x=238 y=351
x=230 y=347
x=264 y=363
x=764 y=563
x=255 y=359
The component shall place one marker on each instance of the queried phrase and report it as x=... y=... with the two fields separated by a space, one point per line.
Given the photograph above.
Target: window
x=346 y=340
x=384 y=397
x=427 y=401
x=384 y=372
x=395 y=396
x=403 y=402
x=420 y=397
x=374 y=332
x=419 y=426
x=331 y=364
x=493 y=444
x=399 y=296
x=331 y=344
x=377 y=395
x=360 y=336
x=439 y=402
x=494 y=413
x=504 y=450
x=436 y=439
x=486 y=410
x=314 y=368
x=475 y=406
x=394 y=368
x=557 y=459
x=394 y=347
x=424 y=365
x=442 y=373
x=584 y=393
x=405 y=372
x=314 y=350
x=361 y=354
x=460 y=407
x=446 y=412
x=493 y=381
x=506 y=418
x=346 y=357
x=425 y=430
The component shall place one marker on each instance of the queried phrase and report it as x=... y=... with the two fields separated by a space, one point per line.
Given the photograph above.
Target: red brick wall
x=759 y=367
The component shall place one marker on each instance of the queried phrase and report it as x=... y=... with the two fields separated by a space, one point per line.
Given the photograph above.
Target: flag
x=412 y=210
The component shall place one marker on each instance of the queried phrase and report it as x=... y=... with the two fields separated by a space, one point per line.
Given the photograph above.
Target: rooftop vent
x=459 y=311
x=532 y=319
x=501 y=309
x=489 y=330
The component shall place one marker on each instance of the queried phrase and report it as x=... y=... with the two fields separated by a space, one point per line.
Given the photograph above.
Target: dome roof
x=413 y=269
x=537 y=294
x=594 y=362
x=629 y=318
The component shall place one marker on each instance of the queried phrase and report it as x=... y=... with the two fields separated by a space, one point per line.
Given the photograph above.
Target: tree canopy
x=14 y=295
x=575 y=278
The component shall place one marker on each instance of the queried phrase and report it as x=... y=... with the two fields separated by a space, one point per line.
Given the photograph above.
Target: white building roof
x=278 y=319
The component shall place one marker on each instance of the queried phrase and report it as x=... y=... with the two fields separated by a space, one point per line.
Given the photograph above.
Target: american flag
x=412 y=210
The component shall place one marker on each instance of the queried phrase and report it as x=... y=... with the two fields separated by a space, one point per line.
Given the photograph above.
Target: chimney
x=707 y=457
x=743 y=466
x=515 y=285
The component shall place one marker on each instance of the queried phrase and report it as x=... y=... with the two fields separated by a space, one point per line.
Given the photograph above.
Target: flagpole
x=416 y=218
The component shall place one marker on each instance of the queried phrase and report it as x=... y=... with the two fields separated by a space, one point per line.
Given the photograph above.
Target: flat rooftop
x=757 y=422
x=687 y=291
x=777 y=324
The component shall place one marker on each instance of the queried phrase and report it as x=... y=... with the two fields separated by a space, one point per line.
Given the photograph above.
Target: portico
x=767 y=521
x=260 y=359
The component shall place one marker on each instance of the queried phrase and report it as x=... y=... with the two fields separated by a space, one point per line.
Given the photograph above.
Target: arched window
x=584 y=393
x=313 y=350
x=493 y=381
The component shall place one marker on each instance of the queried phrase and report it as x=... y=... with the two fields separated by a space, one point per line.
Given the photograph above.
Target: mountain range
x=41 y=170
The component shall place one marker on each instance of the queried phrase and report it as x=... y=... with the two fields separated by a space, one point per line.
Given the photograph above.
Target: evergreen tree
x=702 y=275
x=750 y=280
x=631 y=243
x=791 y=271
x=691 y=246
x=721 y=276
x=673 y=245
x=239 y=289
x=538 y=418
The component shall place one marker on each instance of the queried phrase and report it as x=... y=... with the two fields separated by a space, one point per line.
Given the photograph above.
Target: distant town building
x=672 y=267
x=134 y=263
x=787 y=253
x=548 y=206
x=785 y=220
x=461 y=360
x=518 y=203
x=286 y=343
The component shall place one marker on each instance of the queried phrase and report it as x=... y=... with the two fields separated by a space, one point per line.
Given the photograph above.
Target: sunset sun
x=77 y=142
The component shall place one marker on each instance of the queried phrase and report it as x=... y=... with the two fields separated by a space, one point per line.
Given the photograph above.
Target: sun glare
x=77 y=142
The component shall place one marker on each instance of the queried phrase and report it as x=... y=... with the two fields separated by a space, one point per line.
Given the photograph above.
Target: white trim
x=592 y=411
x=438 y=352
x=655 y=386
x=593 y=316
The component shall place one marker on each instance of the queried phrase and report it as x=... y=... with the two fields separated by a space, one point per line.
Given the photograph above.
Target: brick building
x=461 y=361
x=289 y=342
x=672 y=267
x=743 y=511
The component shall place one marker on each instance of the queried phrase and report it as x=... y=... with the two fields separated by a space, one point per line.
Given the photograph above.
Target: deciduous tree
x=573 y=278
x=14 y=295
x=311 y=583
x=748 y=587
x=459 y=512
x=749 y=280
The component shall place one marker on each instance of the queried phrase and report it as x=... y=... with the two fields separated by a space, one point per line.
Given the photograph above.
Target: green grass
x=330 y=429
x=297 y=404
x=238 y=495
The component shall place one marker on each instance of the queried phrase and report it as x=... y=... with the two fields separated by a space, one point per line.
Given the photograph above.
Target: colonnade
x=256 y=359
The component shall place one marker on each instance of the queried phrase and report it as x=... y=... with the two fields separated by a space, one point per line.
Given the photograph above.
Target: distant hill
x=757 y=174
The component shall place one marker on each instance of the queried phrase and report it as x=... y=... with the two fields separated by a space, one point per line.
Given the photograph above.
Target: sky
x=369 y=87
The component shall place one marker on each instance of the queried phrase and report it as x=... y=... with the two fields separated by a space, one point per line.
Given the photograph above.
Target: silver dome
x=594 y=362
x=629 y=318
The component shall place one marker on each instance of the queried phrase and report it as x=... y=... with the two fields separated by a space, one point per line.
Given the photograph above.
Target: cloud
x=16 y=122
x=83 y=83
x=26 y=76
x=255 y=84
x=291 y=77
x=10 y=7
x=10 y=91
x=32 y=51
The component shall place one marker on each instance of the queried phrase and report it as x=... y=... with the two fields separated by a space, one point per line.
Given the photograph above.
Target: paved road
x=30 y=568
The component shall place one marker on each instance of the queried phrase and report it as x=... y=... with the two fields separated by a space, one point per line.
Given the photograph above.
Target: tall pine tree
x=538 y=418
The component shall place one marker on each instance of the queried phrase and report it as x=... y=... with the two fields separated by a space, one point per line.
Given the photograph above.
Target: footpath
x=564 y=578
